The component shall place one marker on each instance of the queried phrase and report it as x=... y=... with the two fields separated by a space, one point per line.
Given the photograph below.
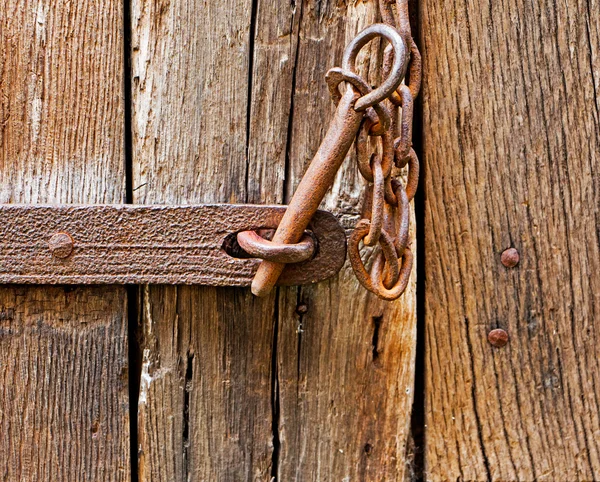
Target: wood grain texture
x=61 y=108
x=63 y=352
x=345 y=369
x=512 y=151
x=63 y=374
x=230 y=103
x=205 y=395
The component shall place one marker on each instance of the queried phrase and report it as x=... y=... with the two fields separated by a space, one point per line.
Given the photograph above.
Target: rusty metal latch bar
x=117 y=244
x=383 y=115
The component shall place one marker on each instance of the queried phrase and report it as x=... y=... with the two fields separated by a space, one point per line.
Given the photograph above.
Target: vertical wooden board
x=212 y=406
x=189 y=80
x=204 y=407
x=345 y=368
x=211 y=96
x=64 y=374
x=511 y=122
x=61 y=71
x=271 y=83
x=63 y=351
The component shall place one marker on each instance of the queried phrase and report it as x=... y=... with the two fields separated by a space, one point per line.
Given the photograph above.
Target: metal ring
x=413 y=175
x=336 y=76
x=377 y=277
x=387 y=248
x=362 y=153
x=376 y=223
x=416 y=70
x=403 y=144
x=259 y=247
x=391 y=83
x=402 y=218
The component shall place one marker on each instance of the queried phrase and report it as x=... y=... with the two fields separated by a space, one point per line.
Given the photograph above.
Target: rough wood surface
x=63 y=351
x=229 y=104
x=345 y=368
x=512 y=151
x=205 y=395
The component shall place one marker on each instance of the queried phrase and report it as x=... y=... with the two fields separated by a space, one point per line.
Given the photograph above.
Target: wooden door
x=186 y=102
x=512 y=159
x=178 y=103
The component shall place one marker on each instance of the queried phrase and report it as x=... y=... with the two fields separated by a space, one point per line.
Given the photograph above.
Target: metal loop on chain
x=403 y=144
x=363 y=156
x=415 y=70
x=397 y=71
x=378 y=204
x=336 y=76
x=387 y=249
x=259 y=247
x=377 y=277
x=402 y=218
x=413 y=175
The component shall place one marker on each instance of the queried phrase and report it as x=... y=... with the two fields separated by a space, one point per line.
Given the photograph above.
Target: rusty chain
x=364 y=116
x=388 y=217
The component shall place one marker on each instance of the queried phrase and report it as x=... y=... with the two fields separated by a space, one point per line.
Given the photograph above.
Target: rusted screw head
x=498 y=337
x=510 y=257
x=61 y=245
x=302 y=308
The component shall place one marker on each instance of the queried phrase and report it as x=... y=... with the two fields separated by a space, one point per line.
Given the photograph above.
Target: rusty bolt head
x=302 y=308
x=498 y=337
x=61 y=245
x=510 y=257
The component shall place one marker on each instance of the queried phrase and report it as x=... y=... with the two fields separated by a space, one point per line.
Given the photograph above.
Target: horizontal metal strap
x=132 y=244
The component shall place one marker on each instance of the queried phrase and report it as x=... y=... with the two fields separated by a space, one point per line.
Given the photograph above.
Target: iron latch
x=133 y=244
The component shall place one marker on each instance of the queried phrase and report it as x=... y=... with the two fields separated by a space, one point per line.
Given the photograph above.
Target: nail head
x=61 y=245
x=302 y=308
x=510 y=257
x=498 y=337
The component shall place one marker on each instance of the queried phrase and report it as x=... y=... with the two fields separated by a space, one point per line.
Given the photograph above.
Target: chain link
x=388 y=220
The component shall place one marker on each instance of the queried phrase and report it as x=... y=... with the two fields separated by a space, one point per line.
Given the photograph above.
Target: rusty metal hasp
x=366 y=117
x=115 y=244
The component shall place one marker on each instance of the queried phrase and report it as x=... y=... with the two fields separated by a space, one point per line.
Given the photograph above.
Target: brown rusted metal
x=510 y=257
x=343 y=129
x=113 y=244
x=302 y=309
x=397 y=71
x=498 y=337
x=390 y=273
x=259 y=247
x=61 y=245
x=315 y=183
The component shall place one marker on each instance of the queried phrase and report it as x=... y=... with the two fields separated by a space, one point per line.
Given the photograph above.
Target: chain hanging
x=388 y=220
x=383 y=116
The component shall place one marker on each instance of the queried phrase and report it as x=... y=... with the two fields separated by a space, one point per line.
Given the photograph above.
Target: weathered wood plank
x=64 y=374
x=511 y=122
x=224 y=383
x=63 y=351
x=345 y=360
x=205 y=400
